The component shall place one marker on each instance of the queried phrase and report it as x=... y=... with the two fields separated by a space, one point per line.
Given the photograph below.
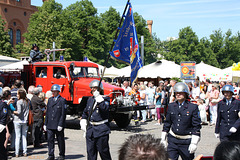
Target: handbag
x=30 y=118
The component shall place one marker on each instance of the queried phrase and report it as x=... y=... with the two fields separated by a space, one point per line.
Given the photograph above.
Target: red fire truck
x=74 y=78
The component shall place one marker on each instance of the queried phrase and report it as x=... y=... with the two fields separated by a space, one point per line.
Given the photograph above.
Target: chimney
x=149 y=23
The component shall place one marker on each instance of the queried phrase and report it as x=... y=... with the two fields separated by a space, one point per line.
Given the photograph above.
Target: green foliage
x=176 y=79
x=221 y=50
x=5 y=45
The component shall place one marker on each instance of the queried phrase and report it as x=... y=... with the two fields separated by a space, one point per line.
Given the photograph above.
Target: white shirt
x=196 y=92
x=127 y=90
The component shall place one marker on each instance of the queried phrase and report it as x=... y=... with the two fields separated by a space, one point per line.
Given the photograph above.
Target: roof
x=8 y=59
x=67 y=63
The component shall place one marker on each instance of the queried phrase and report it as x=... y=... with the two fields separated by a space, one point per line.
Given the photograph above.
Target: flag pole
x=106 y=62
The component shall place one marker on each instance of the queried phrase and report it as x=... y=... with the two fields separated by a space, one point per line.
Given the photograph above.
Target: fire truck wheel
x=122 y=120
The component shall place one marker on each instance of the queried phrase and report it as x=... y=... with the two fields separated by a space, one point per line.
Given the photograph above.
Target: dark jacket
x=184 y=120
x=36 y=56
x=37 y=105
x=56 y=113
x=100 y=113
x=3 y=113
x=228 y=116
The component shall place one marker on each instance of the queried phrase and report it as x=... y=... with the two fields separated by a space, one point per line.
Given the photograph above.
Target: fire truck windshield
x=85 y=72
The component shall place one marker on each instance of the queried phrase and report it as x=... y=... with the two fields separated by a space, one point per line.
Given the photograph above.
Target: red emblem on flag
x=116 y=53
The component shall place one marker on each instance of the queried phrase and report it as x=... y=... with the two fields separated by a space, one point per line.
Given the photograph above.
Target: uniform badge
x=199 y=115
x=187 y=113
x=106 y=102
x=4 y=110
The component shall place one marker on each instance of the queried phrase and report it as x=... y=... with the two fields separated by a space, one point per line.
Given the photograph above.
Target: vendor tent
x=111 y=72
x=14 y=66
x=162 y=69
x=125 y=71
x=205 y=71
x=4 y=60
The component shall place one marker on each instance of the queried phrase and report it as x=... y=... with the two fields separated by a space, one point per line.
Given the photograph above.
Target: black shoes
x=50 y=158
x=60 y=158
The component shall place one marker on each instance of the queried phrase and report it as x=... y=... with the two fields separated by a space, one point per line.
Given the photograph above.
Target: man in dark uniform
x=228 y=117
x=55 y=122
x=35 y=54
x=183 y=125
x=3 y=122
x=95 y=122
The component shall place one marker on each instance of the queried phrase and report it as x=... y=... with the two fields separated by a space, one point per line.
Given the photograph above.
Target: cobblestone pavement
x=76 y=146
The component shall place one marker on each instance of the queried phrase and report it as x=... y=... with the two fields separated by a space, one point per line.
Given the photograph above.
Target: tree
x=184 y=48
x=5 y=45
x=45 y=27
x=110 y=20
x=89 y=33
x=207 y=55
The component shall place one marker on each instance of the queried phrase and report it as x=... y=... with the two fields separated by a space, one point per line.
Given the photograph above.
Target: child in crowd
x=202 y=109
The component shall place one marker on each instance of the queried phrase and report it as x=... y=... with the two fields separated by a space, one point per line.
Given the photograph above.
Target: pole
x=53 y=51
x=142 y=49
x=106 y=62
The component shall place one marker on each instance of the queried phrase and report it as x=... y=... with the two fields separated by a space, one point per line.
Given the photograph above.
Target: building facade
x=16 y=14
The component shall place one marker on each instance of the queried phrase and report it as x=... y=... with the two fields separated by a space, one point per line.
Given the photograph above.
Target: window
x=41 y=72
x=85 y=72
x=18 y=36
x=25 y=13
x=14 y=23
x=10 y=32
x=18 y=0
x=5 y=10
x=59 y=72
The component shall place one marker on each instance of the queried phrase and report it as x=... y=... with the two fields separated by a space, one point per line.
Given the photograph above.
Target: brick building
x=16 y=13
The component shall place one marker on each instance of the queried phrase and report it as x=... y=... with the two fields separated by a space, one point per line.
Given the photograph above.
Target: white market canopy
x=5 y=60
x=111 y=72
x=14 y=66
x=205 y=71
x=162 y=69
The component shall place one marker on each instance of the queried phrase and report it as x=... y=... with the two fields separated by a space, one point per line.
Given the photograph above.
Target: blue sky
x=169 y=16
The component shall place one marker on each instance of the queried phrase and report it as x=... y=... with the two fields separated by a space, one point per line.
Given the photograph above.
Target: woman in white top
x=20 y=121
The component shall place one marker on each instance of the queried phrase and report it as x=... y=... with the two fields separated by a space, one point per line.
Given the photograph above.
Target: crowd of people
x=205 y=94
x=181 y=107
x=16 y=130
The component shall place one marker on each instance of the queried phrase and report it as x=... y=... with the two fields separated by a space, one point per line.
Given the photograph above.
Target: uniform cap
x=181 y=87
x=228 y=88
x=95 y=83
x=56 y=87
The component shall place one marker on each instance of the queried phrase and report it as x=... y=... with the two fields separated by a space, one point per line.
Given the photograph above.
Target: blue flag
x=126 y=48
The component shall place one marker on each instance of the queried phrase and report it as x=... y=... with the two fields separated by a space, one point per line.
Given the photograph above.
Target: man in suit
x=95 y=123
x=55 y=122
x=182 y=125
x=228 y=117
